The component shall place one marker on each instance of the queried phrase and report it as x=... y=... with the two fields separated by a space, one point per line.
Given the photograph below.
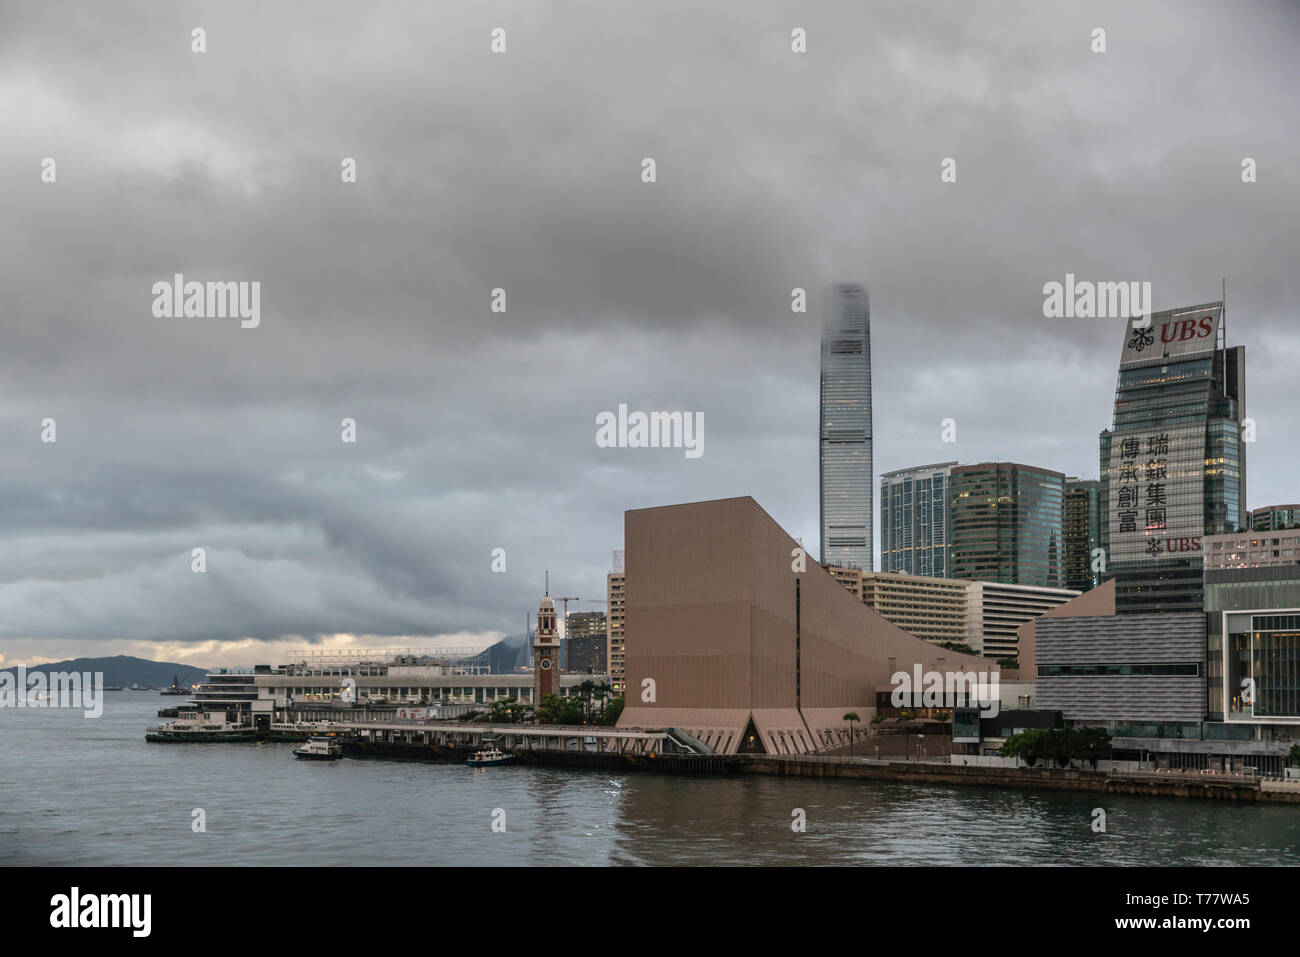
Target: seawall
x=1046 y=779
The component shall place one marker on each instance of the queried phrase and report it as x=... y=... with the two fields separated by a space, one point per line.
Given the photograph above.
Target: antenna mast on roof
x=1223 y=335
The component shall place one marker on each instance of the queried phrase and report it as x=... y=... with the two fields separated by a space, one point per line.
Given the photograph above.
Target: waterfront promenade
x=667 y=751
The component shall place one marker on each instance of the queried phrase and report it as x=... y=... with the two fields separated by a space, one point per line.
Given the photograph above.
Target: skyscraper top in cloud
x=846 y=475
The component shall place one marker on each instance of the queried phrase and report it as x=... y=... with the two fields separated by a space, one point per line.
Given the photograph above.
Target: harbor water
x=82 y=791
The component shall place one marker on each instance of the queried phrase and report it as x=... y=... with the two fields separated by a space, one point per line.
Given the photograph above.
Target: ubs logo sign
x=1141 y=339
x=1171 y=331
x=1172 y=546
x=1186 y=329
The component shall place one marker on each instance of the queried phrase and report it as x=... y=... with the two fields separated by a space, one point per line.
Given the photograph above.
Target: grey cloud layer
x=522 y=171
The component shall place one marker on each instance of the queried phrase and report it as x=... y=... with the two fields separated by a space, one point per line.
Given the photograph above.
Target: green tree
x=1091 y=745
x=507 y=711
x=851 y=717
x=1293 y=756
x=1030 y=746
x=612 y=712
x=557 y=710
x=600 y=693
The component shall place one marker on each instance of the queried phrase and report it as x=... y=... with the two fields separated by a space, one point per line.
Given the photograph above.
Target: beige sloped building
x=732 y=639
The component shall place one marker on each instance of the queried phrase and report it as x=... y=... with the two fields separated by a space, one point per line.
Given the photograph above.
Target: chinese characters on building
x=1143 y=490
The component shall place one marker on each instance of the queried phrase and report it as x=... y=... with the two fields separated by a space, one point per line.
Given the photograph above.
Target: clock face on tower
x=546 y=664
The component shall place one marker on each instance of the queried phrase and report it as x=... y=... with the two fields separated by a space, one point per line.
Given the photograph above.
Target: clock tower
x=546 y=652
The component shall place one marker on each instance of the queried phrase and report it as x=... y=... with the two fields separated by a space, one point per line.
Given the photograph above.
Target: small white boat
x=489 y=758
x=320 y=749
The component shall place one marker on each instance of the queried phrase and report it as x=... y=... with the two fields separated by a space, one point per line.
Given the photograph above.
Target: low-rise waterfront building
x=1218 y=690
x=984 y=616
x=731 y=644
x=1272 y=517
x=936 y=609
x=377 y=683
x=1129 y=668
x=1255 y=549
x=1252 y=615
x=997 y=610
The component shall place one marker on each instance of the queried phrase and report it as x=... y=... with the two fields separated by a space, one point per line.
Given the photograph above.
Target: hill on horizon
x=122 y=670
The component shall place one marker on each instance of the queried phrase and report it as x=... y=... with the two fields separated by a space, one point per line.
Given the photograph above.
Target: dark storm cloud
x=522 y=171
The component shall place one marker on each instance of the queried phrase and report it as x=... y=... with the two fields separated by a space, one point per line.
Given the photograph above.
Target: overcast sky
x=523 y=170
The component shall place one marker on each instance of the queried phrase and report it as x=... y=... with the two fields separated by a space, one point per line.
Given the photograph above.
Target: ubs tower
x=845 y=431
x=1173 y=468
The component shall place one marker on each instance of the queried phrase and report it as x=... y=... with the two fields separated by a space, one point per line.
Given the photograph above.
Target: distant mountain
x=124 y=671
x=508 y=654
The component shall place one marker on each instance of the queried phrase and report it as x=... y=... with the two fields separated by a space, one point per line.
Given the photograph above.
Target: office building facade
x=1007 y=524
x=935 y=609
x=585 y=642
x=997 y=610
x=845 y=434
x=1123 y=668
x=1252 y=611
x=615 y=620
x=1173 y=464
x=1081 y=526
x=914 y=520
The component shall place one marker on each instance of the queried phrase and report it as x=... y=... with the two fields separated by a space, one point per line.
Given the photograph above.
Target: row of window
x=1109 y=671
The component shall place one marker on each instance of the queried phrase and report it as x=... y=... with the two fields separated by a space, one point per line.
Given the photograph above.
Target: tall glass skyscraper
x=915 y=529
x=1082 y=528
x=847 y=477
x=1173 y=468
x=1007 y=524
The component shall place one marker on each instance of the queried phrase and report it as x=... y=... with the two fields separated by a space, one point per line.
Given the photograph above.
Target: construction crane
x=564 y=649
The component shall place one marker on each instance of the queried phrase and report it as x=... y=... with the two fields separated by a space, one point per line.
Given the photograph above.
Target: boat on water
x=139 y=687
x=489 y=758
x=201 y=726
x=175 y=687
x=320 y=749
x=113 y=688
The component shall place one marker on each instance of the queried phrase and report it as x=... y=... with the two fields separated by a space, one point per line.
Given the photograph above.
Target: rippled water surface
x=80 y=791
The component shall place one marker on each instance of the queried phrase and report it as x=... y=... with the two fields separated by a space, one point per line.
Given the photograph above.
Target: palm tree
x=600 y=690
x=850 y=718
x=586 y=689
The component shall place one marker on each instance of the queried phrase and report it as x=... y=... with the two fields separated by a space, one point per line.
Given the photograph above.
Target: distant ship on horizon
x=176 y=687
